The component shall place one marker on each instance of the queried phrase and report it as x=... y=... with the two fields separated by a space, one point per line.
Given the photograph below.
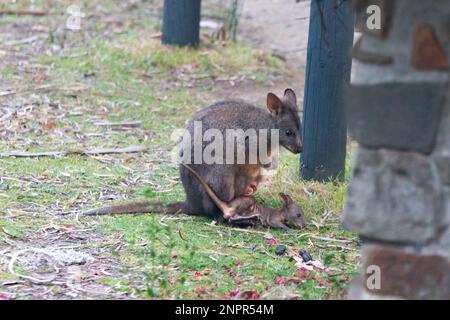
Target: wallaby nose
x=299 y=144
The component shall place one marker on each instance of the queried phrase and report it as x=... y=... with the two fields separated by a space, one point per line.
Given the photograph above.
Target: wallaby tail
x=140 y=207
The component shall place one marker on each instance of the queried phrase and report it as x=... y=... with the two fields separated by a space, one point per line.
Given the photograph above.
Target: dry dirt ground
x=279 y=27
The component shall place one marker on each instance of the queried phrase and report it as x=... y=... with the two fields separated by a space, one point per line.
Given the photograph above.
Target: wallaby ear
x=286 y=199
x=274 y=104
x=289 y=95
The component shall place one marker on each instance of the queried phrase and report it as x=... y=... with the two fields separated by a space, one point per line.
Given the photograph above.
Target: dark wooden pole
x=181 y=22
x=327 y=73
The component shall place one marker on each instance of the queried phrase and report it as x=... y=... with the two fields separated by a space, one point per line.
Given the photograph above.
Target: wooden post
x=327 y=73
x=181 y=22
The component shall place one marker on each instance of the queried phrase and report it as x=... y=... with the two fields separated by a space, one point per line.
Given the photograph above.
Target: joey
x=243 y=208
x=227 y=180
x=289 y=214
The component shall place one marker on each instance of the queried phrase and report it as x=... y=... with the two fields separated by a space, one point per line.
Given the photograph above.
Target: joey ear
x=274 y=104
x=289 y=95
x=286 y=199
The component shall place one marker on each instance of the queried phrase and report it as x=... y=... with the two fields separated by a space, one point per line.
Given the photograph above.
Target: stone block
x=427 y=52
x=369 y=57
x=393 y=196
x=404 y=116
x=386 y=10
x=443 y=165
x=443 y=136
x=409 y=275
x=441 y=153
x=444 y=241
x=357 y=291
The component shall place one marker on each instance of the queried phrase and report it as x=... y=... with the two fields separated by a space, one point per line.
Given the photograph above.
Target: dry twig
x=37 y=13
x=24 y=154
x=32 y=279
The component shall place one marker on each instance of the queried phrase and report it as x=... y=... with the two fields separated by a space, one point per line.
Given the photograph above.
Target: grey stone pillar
x=398 y=111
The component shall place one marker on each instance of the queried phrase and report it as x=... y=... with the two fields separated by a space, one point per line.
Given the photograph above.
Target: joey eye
x=289 y=132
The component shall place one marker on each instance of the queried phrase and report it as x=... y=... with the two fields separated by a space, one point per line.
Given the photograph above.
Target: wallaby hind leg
x=224 y=189
x=222 y=185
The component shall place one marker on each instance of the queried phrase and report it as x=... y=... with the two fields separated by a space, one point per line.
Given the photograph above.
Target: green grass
x=190 y=258
x=133 y=77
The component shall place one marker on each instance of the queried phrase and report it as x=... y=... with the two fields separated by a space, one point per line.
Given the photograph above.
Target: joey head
x=290 y=214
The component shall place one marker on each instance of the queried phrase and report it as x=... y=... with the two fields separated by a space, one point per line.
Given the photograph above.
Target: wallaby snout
x=300 y=145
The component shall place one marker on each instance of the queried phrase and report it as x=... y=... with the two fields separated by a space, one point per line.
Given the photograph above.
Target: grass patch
x=186 y=257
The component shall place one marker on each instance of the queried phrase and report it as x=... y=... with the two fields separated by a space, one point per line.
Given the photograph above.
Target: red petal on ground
x=250 y=295
x=285 y=281
x=234 y=292
x=280 y=281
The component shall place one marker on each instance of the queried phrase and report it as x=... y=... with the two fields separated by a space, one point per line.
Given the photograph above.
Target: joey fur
x=227 y=181
x=290 y=214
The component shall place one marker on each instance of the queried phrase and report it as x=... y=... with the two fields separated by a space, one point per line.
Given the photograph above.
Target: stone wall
x=399 y=112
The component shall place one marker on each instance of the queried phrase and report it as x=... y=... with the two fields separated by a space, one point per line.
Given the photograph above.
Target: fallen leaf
x=50 y=125
x=234 y=292
x=286 y=281
x=198 y=274
x=250 y=295
x=309 y=265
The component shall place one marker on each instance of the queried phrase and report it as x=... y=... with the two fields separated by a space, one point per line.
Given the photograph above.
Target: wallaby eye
x=289 y=132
